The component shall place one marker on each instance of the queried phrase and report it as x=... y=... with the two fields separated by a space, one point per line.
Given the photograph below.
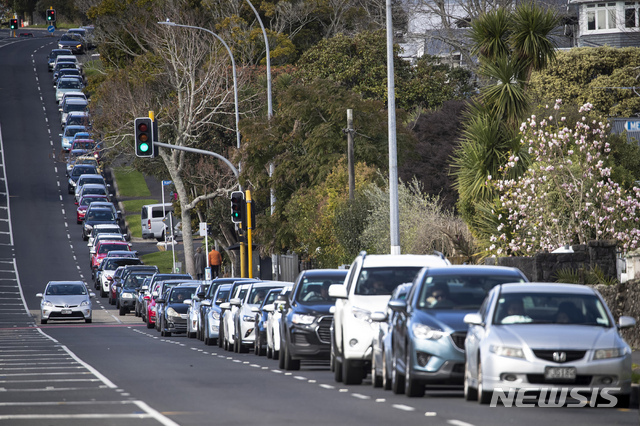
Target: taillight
x=149 y=224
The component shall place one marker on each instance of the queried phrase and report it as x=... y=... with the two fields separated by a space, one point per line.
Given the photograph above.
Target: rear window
x=382 y=281
x=157 y=212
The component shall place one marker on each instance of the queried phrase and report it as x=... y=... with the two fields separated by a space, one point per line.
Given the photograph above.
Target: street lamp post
x=266 y=43
x=394 y=209
x=233 y=65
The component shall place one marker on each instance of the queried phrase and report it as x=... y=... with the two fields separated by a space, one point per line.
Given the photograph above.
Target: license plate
x=564 y=373
x=65 y=311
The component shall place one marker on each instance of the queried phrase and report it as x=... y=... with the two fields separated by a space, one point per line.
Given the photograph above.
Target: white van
x=151 y=220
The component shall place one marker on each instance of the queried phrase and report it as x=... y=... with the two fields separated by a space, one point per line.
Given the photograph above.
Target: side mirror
x=92 y=251
x=225 y=305
x=144 y=288
x=379 y=316
x=188 y=302
x=626 y=322
x=473 y=319
x=235 y=301
x=154 y=294
x=339 y=291
x=255 y=309
x=92 y=295
x=39 y=295
x=398 y=305
x=269 y=308
x=205 y=302
x=161 y=300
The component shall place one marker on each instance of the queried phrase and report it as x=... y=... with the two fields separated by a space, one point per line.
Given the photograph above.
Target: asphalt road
x=117 y=372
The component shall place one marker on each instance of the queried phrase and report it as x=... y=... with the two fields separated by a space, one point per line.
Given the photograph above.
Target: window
x=601 y=16
x=631 y=14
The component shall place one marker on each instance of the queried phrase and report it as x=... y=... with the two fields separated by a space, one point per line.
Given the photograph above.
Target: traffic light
x=13 y=23
x=237 y=206
x=144 y=137
x=51 y=15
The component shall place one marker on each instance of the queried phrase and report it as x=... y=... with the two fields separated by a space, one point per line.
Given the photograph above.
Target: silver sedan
x=65 y=300
x=548 y=341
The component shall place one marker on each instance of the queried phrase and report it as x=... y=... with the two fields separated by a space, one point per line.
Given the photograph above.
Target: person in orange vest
x=215 y=260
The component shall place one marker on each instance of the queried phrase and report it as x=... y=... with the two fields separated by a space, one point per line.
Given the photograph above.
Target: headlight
x=248 y=318
x=361 y=314
x=88 y=227
x=85 y=303
x=127 y=296
x=609 y=353
x=302 y=319
x=507 y=351
x=422 y=331
x=172 y=313
x=215 y=315
x=47 y=303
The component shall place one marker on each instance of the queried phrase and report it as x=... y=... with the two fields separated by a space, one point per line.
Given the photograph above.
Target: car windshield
x=271 y=297
x=94 y=190
x=75 y=107
x=69 y=289
x=78 y=171
x=92 y=180
x=382 y=281
x=68 y=37
x=315 y=290
x=112 y=264
x=106 y=248
x=69 y=84
x=100 y=215
x=551 y=308
x=460 y=291
x=71 y=131
x=179 y=295
x=135 y=280
x=223 y=296
x=84 y=145
x=90 y=161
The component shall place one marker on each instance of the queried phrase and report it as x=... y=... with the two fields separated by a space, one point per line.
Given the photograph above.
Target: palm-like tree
x=510 y=45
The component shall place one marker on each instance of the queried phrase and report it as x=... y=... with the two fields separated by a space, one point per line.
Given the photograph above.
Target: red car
x=150 y=303
x=104 y=247
x=84 y=204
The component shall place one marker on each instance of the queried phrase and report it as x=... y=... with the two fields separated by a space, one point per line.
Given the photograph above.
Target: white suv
x=367 y=289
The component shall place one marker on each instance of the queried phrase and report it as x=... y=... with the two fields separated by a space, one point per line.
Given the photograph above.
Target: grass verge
x=135 y=227
x=134 y=206
x=131 y=182
x=162 y=259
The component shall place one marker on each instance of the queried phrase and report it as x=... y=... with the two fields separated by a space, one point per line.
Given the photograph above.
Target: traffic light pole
x=249 y=241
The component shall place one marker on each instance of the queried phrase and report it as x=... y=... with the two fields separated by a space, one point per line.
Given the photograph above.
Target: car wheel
x=337 y=370
x=256 y=344
x=351 y=373
x=103 y=293
x=376 y=379
x=484 y=397
x=470 y=393
x=122 y=311
x=397 y=378
x=386 y=379
x=413 y=388
x=43 y=321
x=150 y=324
x=269 y=351
x=220 y=336
x=87 y=320
x=281 y=356
x=290 y=363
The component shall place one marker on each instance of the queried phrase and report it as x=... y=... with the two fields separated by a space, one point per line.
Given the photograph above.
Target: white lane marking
x=455 y=422
x=430 y=414
x=403 y=407
x=327 y=386
x=360 y=396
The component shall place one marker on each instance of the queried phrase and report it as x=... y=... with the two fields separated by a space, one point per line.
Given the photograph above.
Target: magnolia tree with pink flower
x=566 y=196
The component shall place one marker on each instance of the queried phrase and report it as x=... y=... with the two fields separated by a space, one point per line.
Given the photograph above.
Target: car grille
x=538 y=379
x=547 y=355
x=458 y=339
x=66 y=306
x=324 y=329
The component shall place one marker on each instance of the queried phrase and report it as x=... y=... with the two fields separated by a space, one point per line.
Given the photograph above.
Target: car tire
x=376 y=379
x=351 y=373
x=43 y=321
x=413 y=387
x=150 y=324
x=103 y=293
x=220 y=336
x=386 y=379
x=122 y=311
x=281 y=357
x=397 y=379
x=256 y=344
x=269 y=351
x=470 y=393
x=290 y=364
x=337 y=370
x=87 y=320
x=484 y=397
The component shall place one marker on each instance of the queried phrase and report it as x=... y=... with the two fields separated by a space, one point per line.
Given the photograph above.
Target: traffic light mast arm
x=199 y=151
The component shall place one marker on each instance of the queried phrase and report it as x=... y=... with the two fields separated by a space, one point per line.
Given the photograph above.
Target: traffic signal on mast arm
x=237 y=206
x=13 y=23
x=144 y=137
x=51 y=15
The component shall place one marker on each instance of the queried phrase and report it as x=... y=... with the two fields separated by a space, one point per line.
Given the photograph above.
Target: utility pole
x=352 y=177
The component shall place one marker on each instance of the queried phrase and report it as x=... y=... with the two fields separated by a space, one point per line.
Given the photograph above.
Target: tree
x=567 y=195
x=187 y=80
x=305 y=140
x=510 y=46
x=602 y=76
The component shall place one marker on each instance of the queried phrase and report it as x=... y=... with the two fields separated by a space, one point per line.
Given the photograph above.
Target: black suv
x=130 y=286
x=306 y=318
x=174 y=317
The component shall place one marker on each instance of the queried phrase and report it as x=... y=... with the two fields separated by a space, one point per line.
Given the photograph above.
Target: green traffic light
x=144 y=147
